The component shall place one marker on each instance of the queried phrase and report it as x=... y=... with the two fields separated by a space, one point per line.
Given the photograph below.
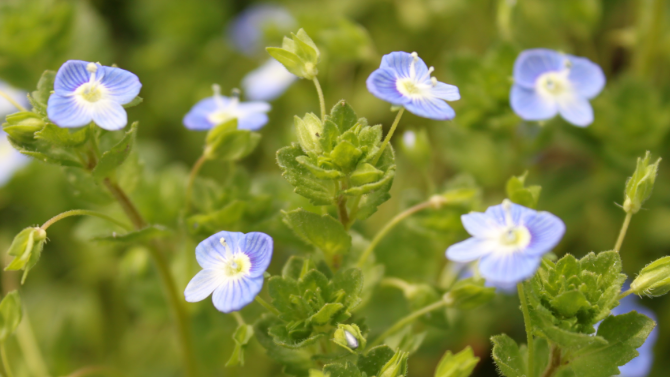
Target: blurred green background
x=99 y=305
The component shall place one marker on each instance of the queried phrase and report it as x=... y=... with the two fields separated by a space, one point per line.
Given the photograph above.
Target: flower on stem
x=509 y=240
x=233 y=265
x=547 y=83
x=267 y=82
x=247 y=29
x=403 y=79
x=11 y=160
x=213 y=111
x=85 y=92
x=19 y=96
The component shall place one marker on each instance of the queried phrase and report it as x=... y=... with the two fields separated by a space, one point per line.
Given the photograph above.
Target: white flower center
x=517 y=237
x=92 y=91
x=553 y=83
x=236 y=265
x=225 y=112
x=414 y=86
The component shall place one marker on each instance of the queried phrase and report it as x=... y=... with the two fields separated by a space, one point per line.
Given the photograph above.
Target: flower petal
x=469 y=250
x=109 y=115
x=122 y=86
x=252 y=122
x=519 y=214
x=71 y=75
x=576 y=110
x=399 y=62
x=235 y=294
x=431 y=108
x=67 y=111
x=446 y=92
x=546 y=230
x=382 y=83
x=508 y=268
x=203 y=284
x=196 y=118
x=210 y=253
x=267 y=82
x=529 y=105
x=586 y=77
x=258 y=246
x=481 y=225
x=530 y=64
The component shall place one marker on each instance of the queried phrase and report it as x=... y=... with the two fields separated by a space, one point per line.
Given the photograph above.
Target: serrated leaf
x=146 y=234
x=346 y=156
x=40 y=97
x=323 y=232
x=373 y=361
x=343 y=115
x=319 y=172
x=340 y=370
x=294 y=267
x=10 y=315
x=226 y=143
x=507 y=356
x=318 y=191
x=325 y=314
x=62 y=137
x=281 y=289
x=457 y=365
x=114 y=157
x=297 y=361
x=347 y=286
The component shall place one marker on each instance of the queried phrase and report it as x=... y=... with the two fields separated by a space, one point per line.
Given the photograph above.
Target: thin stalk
x=407 y=320
x=238 y=318
x=83 y=212
x=389 y=135
x=626 y=293
x=322 y=102
x=526 y=321
x=191 y=180
x=394 y=221
x=554 y=363
x=267 y=306
x=127 y=206
x=11 y=100
x=5 y=361
x=30 y=349
x=622 y=233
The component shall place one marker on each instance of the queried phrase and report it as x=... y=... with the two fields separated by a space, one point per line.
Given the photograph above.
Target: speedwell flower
x=547 y=83
x=85 y=92
x=403 y=79
x=268 y=81
x=233 y=265
x=509 y=240
x=213 y=111
x=246 y=31
x=11 y=160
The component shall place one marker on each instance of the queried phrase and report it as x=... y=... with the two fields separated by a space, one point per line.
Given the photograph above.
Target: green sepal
x=640 y=185
x=62 y=137
x=344 y=335
x=469 y=293
x=22 y=126
x=654 y=279
x=290 y=61
x=135 y=101
x=10 y=315
x=113 y=158
x=318 y=191
x=519 y=194
x=321 y=231
x=226 y=143
x=457 y=365
x=241 y=337
x=39 y=98
x=26 y=248
x=143 y=235
x=397 y=366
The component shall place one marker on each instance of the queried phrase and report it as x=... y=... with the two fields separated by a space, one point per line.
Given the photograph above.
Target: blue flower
x=233 y=265
x=267 y=82
x=19 y=96
x=404 y=80
x=246 y=30
x=547 y=83
x=11 y=160
x=213 y=111
x=85 y=92
x=509 y=240
x=467 y=270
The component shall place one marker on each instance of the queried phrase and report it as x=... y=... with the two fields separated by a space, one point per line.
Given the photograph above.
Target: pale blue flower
x=247 y=29
x=509 y=241
x=233 y=266
x=19 y=96
x=547 y=83
x=403 y=79
x=409 y=138
x=89 y=92
x=267 y=82
x=467 y=270
x=11 y=160
x=213 y=111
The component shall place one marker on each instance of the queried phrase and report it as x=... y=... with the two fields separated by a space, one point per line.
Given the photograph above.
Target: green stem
x=434 y=201
x=267 y=306
x=622 y=233
x=529 y=332
x=5 y=361
x=238 y=318
x=191 y=180
x=127 y=206
x=626 y=293
x=407 y=320
x=30 y=349
x=389 y=135
x=554 y=362
x=11 y=100
x=649 y=30
x=83 y=212
x=322 y=102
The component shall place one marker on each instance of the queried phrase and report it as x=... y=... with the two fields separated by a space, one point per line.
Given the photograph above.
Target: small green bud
x=309 y=130
x=519 y=194
x=397 y=366
x=640 y=185
x=26 y=249
x=349 y=337
x=298 y=54
x=469 y=293
x=10 y=315
x=21 y=126
x=416 y=145
x=654 y=279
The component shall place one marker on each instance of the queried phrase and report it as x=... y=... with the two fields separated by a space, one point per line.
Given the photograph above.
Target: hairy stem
x=238 y=317
x=624 y=294
x=83 y=212
x=5 y=361
x=267 y=306
x=11 y=100
x=554 y=363
x=622 y=233
x=389 y=135
x=407 y=320
x=127 y=206
x=434 y=201
x=191 y=180
x=322 y=102
x=529 y=330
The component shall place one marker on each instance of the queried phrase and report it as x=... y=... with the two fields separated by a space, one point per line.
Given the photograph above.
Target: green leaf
x=397 y=366
x=291 y=61
x=136 y=101
x=226 y=143
x=347 y=286
x=282 y=337
x=40 y=97
x=339 y=370
x=225 y=218
x=62 y=137
x=10 y=315
x=469 y=293
x=114 y=157
x=143 y=235
x=281 y=290
x=298 y=361
x=373 y=361
x=459 y=365
x=507 y=356
x=519 y=194
x=364 y=174
x=296 y=267
x=346 y=156
x=241 y=336
x=318 y=191
x=326 y=314
x=323 y=232
x=343 y=115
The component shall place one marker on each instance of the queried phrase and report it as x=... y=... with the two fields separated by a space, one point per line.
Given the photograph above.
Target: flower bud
x=309 y=130
x=639 y=186
x=26 y=249
x=397 y=366
x=21 y=126
x=654 y=279
x=416 y=145
x=349 y=337
x=298 y=54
